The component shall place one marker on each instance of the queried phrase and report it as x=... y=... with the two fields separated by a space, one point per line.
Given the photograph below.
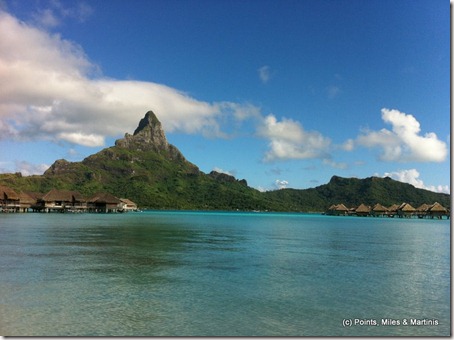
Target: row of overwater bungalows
x=61 y=201
x=435 y=210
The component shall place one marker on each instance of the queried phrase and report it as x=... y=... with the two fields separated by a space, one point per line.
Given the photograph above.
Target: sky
x=284 y=94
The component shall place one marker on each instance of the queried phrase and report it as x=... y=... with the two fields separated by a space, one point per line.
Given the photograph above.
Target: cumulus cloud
x=49 y=89
x=281 y=184
x=411 y=176
x=82 y=139
x=240 y=112
x=288 y=140
x=348 y=145
x=28 y=169
x=404 y=143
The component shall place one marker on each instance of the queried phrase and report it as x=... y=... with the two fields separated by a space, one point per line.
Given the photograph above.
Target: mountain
x=354 y=191
x=145 y=168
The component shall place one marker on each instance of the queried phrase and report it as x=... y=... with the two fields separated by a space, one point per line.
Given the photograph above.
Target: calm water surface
x=221 y=274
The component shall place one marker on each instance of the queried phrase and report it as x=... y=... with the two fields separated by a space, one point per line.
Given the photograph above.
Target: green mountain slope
x=147 y=169
x=353 y=191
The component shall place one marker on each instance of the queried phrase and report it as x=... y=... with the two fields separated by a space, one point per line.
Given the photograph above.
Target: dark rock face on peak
x=60 y=165
x=149 y=136
x=150 y=133
x=149 y=121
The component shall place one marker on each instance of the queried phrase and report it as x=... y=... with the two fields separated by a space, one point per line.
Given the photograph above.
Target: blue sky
x=281 y=93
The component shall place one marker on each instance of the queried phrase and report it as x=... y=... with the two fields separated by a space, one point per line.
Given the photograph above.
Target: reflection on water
x=220 y=274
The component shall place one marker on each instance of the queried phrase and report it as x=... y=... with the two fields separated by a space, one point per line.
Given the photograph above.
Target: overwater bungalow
x=9 y=199
x=127 y=205
x=26 y=202
x=337 y=209
x=421 y=211
x=405 y=210
x=104 y=202
x=61 y=201
x=436 y=210
x=379 y=210
x=362 y=210
x=392 y=210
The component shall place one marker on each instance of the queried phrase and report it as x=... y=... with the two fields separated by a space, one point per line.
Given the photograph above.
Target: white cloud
x=222 y=171
x=288 y=140
x=28 y=169
x=81 y=12
x=348 y=145
x=411 y=176
x=56 y=13
x=264 y=74
x=281 y=184
x=333 y=164
x=47 y=18
x=82 y=138
x=439 y=188
x=49 y=89
x=240 y=112
x=404 y=143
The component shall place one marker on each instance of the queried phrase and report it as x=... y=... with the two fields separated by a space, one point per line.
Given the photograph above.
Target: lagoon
x=179 y=273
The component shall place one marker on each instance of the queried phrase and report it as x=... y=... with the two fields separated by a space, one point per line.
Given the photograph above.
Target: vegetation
x=353 y=191
x=153 y=182
x=146 y=169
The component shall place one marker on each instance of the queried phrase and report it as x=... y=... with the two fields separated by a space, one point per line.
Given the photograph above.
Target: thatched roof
x=63 y=195
x=362 y=208
x=379 y=208
x=341 y=207
x=394 y=207
x=423 y=207
x=406 y=207
x=26 y=199
x=8 y=193
x=127 y=201
x=104 y=198
x=437 y=207
x=34 y=195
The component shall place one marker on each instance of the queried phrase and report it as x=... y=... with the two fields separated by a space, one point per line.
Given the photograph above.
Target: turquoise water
x=221 y=274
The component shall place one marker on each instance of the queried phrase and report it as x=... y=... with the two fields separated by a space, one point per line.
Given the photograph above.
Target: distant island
x=151 y=173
